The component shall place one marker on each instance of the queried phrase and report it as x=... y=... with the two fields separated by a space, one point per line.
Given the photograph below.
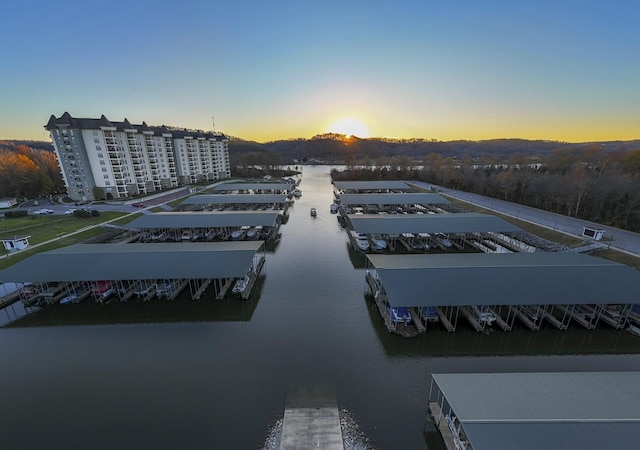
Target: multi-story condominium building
x=101 y=159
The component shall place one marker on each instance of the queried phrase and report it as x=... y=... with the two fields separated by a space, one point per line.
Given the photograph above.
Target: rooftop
x=538 y=278
x=429 y=223
x=205 y=219
x=396 y=185
x=393 y=199
x=254 y=186
x=91 y=262
x=586 y=410
x=215 y=199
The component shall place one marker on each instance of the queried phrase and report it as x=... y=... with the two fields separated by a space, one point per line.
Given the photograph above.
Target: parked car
x=138 y=205
x=68 y=212
x=43 y=212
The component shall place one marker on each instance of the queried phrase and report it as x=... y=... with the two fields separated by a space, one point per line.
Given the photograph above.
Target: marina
x=306 y=322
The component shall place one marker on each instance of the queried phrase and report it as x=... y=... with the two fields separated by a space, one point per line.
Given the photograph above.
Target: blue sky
x=267 y=70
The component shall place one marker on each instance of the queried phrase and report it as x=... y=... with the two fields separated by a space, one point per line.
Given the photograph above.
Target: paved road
x=623 y=240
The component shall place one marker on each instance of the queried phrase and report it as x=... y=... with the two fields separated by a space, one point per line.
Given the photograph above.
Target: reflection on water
x=215 y=374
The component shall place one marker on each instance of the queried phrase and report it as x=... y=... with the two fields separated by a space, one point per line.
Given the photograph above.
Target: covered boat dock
x=494 y=289
x=255 y=188
x=362 y=187
x=422 y=232
x=205 y=226
x=585 y=410
x=392 y=203
x=122 y=271
x=237 y=202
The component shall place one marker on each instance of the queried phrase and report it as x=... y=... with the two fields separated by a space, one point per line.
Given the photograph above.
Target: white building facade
x=100 y=159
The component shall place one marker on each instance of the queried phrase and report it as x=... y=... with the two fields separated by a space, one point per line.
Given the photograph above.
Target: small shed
x=15 y=243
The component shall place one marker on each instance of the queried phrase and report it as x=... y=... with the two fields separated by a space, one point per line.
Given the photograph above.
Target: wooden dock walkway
x=500 y=321
x=177 y=290
x=442 y=425
x=253 y=276
x=311 y=420
x=9 y=299
x=581 y=320
x=225 y=288
x=614 y=318
x=525 y=319
x=202 y=288
x=417 y=320
x=553 y=320
x=471 y=319
x=445 y=321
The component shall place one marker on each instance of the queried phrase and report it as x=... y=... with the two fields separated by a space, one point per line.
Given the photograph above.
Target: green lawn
x=44 y=228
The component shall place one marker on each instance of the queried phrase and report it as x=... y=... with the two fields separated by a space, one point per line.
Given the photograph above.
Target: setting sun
x=349 y=127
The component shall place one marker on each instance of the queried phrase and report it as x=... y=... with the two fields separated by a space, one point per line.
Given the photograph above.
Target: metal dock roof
x=205 y=219
x=226 y=187
x=372 y=185
x=429 y=223
x=393 y=199
x=90 y=262
x=214 y=199
x=586 y=410
x=538 y=278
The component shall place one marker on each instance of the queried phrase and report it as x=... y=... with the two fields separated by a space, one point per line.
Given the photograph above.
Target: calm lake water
x=215 y=374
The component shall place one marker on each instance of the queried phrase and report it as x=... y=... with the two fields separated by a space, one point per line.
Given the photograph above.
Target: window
x=100 y=155
x=102 y=163
x=106 y=177
x=98 y=148
x=104 y=169
x=96 y=140
x=107 y=183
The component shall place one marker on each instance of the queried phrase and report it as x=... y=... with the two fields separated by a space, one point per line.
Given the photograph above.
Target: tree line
x=28 y=171
x=592 y=184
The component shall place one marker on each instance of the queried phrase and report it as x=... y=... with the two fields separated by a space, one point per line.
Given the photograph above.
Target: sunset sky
x=560 y=70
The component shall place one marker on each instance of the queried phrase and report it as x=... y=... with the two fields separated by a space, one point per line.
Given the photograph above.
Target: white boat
x=483 y=314
x=143 y=288
x=400 y=315
x=237 y=234
x=71 y=298
x=240 y=285
x=165 y=288
x=252 y=233
x=297 y=193
x=333 y=208
x=444 y=240
x=379 y=244
x=102 y=290
x=361 y=241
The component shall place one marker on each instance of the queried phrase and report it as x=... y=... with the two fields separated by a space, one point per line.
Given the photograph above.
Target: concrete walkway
x=311 y=420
